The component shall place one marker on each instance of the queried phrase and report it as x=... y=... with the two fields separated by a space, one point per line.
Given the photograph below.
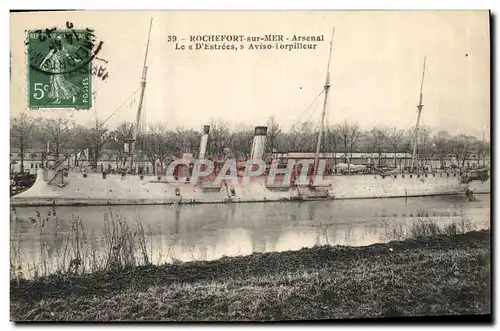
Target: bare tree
x=332 y=141
x=344 y=132
x=395 y=139
x=157 y=145
x=332 y=138
x=93 y=139
x=408 y=138
x=220 y=137
x=283 y=142
x=349 y=135
x=378 y=137
x=304 y=137
x=273 y=134
x=241 y=139
x=293 y=140
x=441 y=145
x=58 y=135
x=461 y=146
x=355 y=135
x=20 y=130
x=186 y=140
x=482 y=148
x=122 y=132
x=425 y=144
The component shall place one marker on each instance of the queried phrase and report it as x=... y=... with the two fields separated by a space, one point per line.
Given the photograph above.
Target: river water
x=206 y=232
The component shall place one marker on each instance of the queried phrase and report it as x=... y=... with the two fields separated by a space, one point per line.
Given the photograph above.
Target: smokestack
x=259 y=143
x=204 y=142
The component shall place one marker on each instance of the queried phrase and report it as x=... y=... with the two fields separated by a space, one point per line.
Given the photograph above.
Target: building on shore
x=77 y=160
x=386 y=159
x=112 y=160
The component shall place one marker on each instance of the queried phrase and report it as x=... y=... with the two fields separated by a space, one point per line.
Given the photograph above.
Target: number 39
x=39 y=89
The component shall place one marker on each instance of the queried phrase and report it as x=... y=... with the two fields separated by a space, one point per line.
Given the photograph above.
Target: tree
x=354 y=136
x=122 y=132
x=482 y=148
x=441 y=144
x=378 y=139
x=220 y=137
x=395 y=140
x=293 y=140
x=344 y=132
x=273 y=134
x=424 y=145
x=332 y=140
x=93 y=139
x=349 y=135
x=20 y=130
x=461 y=148
x=58 y=135
x=241 y=139
x=159 y=143
x=302 y=138
x=186 y=140
x=408 y=138
x=156 y=145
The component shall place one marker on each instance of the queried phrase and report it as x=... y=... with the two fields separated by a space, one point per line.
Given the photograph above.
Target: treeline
x=158 y=142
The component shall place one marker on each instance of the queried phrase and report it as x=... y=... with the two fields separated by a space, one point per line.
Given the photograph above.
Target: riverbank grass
x=442 y=274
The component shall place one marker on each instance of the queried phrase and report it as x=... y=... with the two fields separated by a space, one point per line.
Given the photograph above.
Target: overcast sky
x=376 y=68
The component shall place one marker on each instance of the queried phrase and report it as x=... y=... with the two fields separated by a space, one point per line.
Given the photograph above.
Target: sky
x=375 y=71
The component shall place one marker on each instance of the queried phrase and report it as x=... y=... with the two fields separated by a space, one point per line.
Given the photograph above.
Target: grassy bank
x=446 y=274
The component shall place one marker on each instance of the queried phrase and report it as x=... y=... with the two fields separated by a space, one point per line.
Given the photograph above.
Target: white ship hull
x=131 y=189
x=396 y=185
x=480 y=187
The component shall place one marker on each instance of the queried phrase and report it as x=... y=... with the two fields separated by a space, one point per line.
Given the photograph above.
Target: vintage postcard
x=249 y=165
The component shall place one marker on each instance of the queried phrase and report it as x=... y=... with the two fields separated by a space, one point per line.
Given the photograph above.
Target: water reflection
x=211 y=231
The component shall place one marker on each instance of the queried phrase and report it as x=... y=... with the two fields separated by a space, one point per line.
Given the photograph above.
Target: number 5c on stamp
x=59 y=69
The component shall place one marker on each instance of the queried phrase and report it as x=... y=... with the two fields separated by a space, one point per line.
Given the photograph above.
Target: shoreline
x=135 y=202
x=441 y=275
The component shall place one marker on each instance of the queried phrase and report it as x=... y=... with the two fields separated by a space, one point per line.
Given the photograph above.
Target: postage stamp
x=60 y=69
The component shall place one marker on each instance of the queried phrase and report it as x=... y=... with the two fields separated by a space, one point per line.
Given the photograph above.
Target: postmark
x=60 y=67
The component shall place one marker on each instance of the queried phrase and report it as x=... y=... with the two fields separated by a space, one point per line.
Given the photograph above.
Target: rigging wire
x=318 y=124
x=310 y=105
x=319 y=120
x=317 y=127
x=119 y=107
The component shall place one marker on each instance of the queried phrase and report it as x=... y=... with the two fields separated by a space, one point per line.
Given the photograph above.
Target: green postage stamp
x=60 y=69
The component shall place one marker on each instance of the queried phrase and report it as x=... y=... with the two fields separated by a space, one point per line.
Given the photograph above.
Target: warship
x=62 y=186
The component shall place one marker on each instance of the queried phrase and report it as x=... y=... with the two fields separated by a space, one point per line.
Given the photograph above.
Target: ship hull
x=480 y=187
x=94 y=189
x=396 y=185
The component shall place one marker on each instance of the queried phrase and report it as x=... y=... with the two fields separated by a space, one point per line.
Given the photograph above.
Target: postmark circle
x=72 y=57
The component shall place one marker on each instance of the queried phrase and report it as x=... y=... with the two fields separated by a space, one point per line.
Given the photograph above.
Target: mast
x=135 y=130
x=419 y=108
x=326 y=88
